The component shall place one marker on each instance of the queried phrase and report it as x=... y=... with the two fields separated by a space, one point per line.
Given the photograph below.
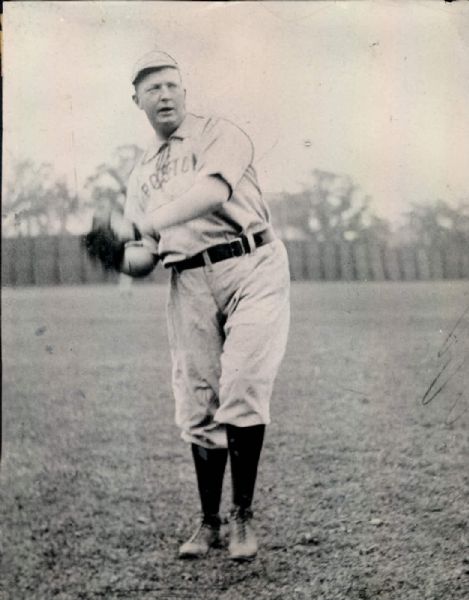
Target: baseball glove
x=106 y=241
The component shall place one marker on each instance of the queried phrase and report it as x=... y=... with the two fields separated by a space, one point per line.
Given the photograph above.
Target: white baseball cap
x=155 y=59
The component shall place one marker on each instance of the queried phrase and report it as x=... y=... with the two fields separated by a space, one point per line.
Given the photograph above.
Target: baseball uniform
x=228 y=320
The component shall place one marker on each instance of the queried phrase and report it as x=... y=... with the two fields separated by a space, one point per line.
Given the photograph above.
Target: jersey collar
x=181 y=133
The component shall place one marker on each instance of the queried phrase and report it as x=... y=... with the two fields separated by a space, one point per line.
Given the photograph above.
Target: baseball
x=138 y=260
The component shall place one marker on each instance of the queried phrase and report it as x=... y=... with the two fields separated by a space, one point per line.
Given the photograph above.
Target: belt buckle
x=238 y=244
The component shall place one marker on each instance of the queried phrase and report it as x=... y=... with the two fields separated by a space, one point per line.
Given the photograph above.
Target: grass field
x=362 y=492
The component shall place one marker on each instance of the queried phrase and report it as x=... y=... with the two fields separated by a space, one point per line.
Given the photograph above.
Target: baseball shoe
x=243 y=543
x=206 y=536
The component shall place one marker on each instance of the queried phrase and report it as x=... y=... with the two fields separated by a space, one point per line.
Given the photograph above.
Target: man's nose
x=165 y=93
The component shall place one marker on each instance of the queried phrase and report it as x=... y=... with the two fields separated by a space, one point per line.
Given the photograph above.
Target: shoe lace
x=204 y=524
x=241 y=519
x=197 y=532
x=241 y=529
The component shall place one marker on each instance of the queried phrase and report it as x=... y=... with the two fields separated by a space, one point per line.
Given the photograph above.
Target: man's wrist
x=148 y=229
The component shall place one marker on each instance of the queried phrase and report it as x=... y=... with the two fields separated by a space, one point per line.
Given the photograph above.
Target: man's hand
x=110 y=231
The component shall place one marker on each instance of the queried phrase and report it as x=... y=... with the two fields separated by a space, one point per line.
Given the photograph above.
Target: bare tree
x=26 y=200
x=64 y=204
x=108 y=183
x=35 y=201
x=332 y=207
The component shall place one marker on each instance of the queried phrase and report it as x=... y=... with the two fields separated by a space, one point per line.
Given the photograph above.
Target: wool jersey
x=201 y=146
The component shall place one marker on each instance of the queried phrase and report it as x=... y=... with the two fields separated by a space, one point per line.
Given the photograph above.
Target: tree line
x=330 y=207
x=37 y=202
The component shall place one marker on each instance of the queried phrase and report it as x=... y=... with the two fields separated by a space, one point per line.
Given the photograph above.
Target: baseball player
x=195 y=193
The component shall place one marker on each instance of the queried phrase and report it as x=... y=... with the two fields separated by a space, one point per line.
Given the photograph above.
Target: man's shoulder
x=216 y=125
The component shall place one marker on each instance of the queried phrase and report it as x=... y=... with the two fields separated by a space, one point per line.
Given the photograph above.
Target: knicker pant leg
x=196 y=341
x=256 y=333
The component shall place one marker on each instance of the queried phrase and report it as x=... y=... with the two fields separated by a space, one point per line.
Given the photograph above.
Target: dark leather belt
x=237 y=247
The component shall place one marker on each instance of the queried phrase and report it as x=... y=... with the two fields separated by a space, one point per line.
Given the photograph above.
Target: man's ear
x=135 y=99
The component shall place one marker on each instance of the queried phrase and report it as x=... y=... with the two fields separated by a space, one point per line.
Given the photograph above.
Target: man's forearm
x=204 y=197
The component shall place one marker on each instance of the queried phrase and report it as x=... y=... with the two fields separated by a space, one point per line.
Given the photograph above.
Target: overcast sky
x=376 y=90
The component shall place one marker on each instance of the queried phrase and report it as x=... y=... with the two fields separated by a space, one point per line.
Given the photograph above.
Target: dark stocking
x=244 y=446
x=210 y=468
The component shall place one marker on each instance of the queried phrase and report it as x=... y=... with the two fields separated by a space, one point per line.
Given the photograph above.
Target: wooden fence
x=371 y=261
x=61 y=260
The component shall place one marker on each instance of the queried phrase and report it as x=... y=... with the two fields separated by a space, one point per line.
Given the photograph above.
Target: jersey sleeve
x=225 y=151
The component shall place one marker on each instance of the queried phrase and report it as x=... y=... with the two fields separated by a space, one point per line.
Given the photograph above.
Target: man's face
x=161 y=95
